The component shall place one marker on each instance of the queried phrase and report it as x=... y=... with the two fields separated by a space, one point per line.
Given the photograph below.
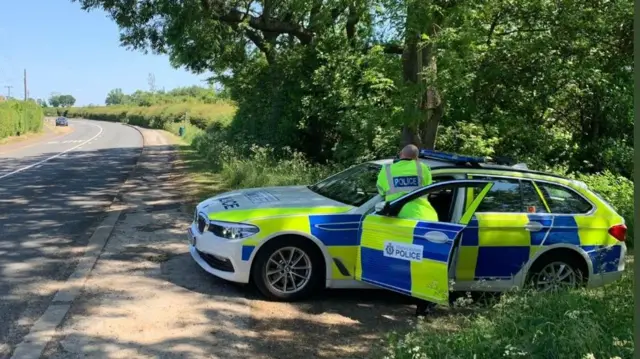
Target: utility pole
x=8 y=91
x=25 y=85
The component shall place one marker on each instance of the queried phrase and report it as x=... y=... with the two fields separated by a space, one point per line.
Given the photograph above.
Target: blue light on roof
x=450 y=157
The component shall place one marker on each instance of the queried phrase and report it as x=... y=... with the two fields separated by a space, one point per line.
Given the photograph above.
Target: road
x=52 y=196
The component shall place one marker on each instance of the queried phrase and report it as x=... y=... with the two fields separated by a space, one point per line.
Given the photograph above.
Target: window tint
x=442 y=199
x=531 y=199
x=503 y=197
x=563 y=200
x=354 y=186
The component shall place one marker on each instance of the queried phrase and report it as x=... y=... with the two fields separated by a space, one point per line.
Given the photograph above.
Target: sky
x=67 y=50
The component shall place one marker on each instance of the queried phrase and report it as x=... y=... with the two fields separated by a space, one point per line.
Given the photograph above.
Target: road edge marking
x=57 y=155
x=44 y=329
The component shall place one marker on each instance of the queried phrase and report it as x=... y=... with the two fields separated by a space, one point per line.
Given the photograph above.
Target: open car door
x=412 y=256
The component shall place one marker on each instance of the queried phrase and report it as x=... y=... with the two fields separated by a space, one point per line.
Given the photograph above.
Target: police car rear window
x=562 y=200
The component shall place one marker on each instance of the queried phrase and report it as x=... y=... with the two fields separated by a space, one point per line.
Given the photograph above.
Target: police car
x=501 y=226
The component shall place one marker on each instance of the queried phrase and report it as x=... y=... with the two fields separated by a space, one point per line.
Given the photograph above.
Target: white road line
x=54 y=156
x=67 y=141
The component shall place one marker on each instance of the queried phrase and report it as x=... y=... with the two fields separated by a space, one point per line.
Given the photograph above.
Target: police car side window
x=531 y=199
x=504 y=196
x=562 y=200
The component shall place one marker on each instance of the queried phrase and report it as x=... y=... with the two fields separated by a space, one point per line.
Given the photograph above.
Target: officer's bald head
x=409 y=152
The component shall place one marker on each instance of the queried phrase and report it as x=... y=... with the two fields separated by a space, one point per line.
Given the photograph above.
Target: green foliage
x=20 y=117
x=160 y=116
x=192 y=94
x=547 y=82
x=582 y=324
x=62 y=100
x=262 y=169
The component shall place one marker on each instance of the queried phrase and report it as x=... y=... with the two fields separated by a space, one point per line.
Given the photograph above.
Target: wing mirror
x=382 y=207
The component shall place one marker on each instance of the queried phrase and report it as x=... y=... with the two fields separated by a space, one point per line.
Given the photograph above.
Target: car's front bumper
x=218 y=256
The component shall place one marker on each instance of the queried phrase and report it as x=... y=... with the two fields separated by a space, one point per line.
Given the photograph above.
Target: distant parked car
x=61 y=121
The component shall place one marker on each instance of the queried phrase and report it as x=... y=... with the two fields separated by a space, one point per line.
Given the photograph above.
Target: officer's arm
x=426 y=175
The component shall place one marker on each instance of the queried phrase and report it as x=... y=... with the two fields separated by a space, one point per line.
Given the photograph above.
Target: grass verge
x=582 y=324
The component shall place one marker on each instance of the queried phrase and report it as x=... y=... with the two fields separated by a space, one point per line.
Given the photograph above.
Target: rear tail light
x=619 y=232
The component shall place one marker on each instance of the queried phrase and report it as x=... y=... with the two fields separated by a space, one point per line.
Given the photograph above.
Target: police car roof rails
x=466 y=160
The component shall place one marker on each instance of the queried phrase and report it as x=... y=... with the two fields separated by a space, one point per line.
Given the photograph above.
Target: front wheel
x=288 y=269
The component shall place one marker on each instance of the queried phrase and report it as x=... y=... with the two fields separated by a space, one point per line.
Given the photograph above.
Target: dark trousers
x=424 y=307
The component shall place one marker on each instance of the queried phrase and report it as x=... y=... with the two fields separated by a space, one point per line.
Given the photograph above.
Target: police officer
x=403 y=176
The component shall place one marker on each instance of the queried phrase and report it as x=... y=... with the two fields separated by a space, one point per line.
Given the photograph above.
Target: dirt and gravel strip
x=146 y=298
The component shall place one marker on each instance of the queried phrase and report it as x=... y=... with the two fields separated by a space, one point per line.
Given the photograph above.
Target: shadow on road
x=47 y=214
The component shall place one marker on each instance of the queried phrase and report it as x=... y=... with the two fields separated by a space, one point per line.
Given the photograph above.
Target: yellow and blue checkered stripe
x=496 y=246
x=426 y=279
x=339 y=233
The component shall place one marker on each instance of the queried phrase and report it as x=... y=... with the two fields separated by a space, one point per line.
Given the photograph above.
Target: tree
x=62 y=100
x=537 y=79
x=67 y=100
x=42 y=102
x=222 y=36
x=54 y=100
x=115 y=97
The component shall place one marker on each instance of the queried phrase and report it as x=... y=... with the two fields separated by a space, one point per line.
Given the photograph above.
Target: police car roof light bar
x=451 y=157
x=460 y=159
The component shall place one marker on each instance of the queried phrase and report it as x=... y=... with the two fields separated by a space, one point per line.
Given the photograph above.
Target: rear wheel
x=556 y=272
x=288 y=269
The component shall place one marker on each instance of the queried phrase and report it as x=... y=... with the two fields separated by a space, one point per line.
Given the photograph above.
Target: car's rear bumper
x=598 y=280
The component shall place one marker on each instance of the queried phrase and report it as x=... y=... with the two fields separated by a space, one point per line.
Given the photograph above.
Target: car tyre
x=265 y=271
x=556 y=271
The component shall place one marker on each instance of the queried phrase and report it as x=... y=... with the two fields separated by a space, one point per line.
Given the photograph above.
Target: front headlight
x=232 y=230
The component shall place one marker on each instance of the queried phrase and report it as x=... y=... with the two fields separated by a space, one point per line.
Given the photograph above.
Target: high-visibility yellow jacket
x=397 y=179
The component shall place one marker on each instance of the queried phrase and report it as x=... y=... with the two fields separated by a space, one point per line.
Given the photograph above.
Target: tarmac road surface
x=52 y=196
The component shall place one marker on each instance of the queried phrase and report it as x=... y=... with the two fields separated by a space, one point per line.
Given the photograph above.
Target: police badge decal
x=389 y=249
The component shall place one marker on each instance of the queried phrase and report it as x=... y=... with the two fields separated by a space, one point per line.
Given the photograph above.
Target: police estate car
x=500 y=226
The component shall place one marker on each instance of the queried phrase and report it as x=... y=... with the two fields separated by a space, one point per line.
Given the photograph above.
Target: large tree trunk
x=419 y=69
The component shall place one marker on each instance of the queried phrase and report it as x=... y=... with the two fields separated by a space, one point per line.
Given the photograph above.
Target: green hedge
x=20 y=117
x=161 y=116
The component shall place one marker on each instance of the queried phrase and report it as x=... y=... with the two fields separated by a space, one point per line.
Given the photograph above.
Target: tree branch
x=494 y=23
x=234 y=16
x=520 y=30
x=260 y=43
x=352 y=20
x=394 y=49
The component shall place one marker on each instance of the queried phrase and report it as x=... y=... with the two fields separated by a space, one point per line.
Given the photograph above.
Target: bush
x=160 y=116
x=20 y=117
x=262 y=169
x=582 y=324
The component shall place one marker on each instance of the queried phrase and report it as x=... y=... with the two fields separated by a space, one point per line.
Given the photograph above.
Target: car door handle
x=436 y=237
x=533 y=226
